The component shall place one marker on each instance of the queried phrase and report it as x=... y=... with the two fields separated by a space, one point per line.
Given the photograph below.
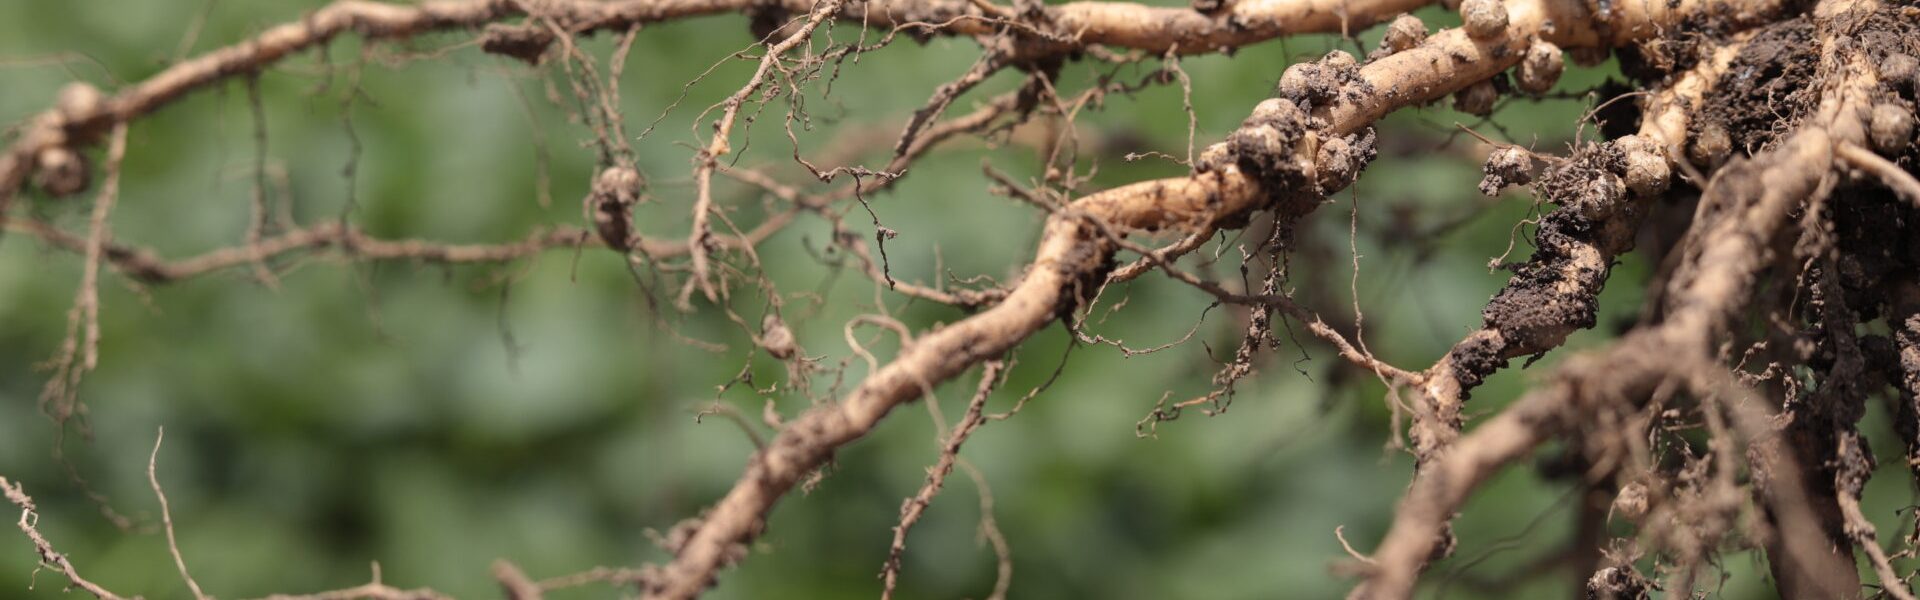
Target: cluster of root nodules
x=1828 y=335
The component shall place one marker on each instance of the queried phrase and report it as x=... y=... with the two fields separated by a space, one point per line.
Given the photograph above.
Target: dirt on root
x=1770 y=85
x=1874 y=233
x=1556 y=291
x=1890 y=31
x=1767 y=89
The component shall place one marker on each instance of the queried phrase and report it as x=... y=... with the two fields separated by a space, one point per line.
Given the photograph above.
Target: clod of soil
x=1891 y=32
x=1873 y=231
x=1766 y=89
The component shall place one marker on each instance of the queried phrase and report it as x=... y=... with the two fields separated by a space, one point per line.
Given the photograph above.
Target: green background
x=371 y=412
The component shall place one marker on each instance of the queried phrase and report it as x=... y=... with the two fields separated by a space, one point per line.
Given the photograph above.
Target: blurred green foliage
x=360 y=413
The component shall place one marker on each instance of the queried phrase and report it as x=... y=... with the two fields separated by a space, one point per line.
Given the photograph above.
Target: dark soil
x=1767 y=89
